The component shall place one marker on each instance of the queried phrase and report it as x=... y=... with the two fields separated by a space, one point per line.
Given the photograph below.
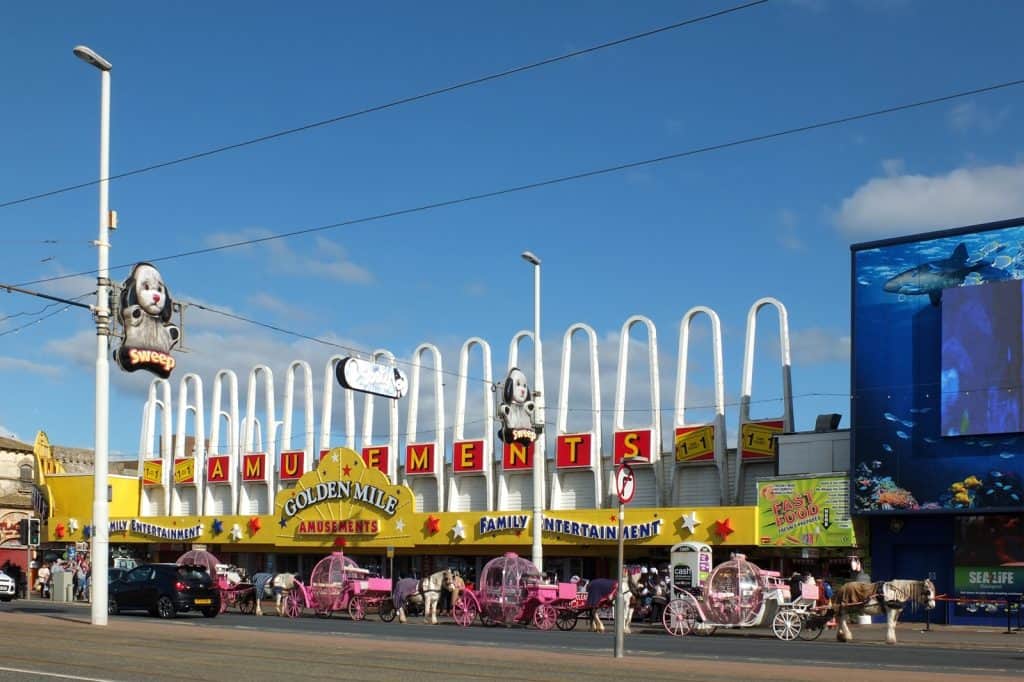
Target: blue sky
x=721 y=229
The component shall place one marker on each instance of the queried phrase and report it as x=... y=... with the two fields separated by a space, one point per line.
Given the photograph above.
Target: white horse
x=273 y=585
x=889 y=597
x=430 y=591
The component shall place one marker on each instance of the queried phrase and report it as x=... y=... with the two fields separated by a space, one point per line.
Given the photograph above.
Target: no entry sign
x=625 y=483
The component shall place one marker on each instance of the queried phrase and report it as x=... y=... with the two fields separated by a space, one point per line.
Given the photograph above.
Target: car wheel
x=210 y=611
x=112 y=608
x=165 y=608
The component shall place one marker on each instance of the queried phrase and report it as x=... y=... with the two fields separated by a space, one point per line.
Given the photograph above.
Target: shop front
x=343 y=504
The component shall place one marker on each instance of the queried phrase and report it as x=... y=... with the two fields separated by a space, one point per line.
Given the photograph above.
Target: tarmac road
x=45 y=641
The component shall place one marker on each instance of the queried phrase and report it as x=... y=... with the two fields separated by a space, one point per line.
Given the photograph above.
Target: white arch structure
x=372 y=451
x=700 y=456
x=187 y=494
x=426 y=475
x=472 y=489
x=515 y=485
x=221 y=496
x=645 y=467
x=156 y=496
x=575 y=485
x=756 y=436
x=292 y=463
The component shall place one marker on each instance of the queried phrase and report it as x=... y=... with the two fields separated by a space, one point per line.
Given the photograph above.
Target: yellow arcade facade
x=344 y=504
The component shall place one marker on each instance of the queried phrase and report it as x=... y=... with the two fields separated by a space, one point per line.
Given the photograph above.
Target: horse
x=272 y=585
x=600 y=590
x=429 y=590
x=406 y=592
x=889 y=597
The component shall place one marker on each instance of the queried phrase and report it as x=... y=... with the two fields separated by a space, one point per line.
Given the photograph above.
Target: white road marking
x=46 y=674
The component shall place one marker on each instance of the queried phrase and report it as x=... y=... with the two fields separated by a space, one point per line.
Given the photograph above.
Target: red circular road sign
x=625 y=483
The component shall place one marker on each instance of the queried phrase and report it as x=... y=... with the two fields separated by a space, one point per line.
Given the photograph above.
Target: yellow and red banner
x=634 y=446
x=517 y=456
x=152 y=472
x=218 y=469
x=695 y=443
x=758 y=439
x=468 y=455
x=184 y=470
x=574 y=450
x=419 y=459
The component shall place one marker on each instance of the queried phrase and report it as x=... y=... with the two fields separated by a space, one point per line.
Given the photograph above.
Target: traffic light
x=33 y=532
x=23 y=532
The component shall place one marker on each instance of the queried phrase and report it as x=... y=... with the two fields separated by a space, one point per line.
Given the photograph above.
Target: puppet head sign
x=146 y=316
x=516 y=410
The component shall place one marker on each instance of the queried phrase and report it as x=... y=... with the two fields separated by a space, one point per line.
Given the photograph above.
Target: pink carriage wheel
x=356 y=608
x=679 y=617
x=464 y=611
x=292 y=606
x=544 y=616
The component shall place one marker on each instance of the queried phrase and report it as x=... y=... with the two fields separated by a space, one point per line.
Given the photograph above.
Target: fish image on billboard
x=932 y=277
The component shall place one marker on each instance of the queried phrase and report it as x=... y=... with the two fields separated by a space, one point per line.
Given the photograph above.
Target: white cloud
x=788 y=236
x=968 y=116
x=330 y=260
x=9 y=364
x=889 y=206
x=815 y=345
x=278 y=306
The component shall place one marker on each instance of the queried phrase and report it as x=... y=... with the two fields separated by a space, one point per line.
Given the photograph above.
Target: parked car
x=7 y=587
x=164 y=590
x=116 y=574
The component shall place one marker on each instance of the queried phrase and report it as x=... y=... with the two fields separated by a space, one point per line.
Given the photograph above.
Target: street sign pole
x=625 y=486
x=620 y=598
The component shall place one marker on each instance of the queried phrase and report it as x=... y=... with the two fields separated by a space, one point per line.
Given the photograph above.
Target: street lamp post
x=538 y=400
x=100 y=511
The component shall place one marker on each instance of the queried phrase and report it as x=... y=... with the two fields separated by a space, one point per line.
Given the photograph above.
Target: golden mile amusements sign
x=344 y=497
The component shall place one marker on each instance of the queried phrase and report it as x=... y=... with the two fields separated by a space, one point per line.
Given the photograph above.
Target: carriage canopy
x=200 y=557
x=504 y=585
x=336 y=569
x=735 y=592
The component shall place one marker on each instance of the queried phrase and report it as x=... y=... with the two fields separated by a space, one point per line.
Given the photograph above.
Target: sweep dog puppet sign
x=145 y=313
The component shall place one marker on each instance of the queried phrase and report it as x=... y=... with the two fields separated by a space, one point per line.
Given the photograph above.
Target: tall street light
x=538 y=400
x=100 y=510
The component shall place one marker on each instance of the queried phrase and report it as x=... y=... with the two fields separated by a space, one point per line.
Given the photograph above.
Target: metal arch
x=233 y=427
x=620 y=380
x=459 y=433
x=368 y=399
x=307 y=404
x=719 y=373
x=199 y=453
x=412 y=421
x=460 y=395
x=748 y=377
x=328 y=408
x=250 y=413
x=148 y=431
x=562 y=426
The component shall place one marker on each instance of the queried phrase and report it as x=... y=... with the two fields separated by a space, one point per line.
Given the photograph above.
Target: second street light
x=538 y=399
x=100 y=509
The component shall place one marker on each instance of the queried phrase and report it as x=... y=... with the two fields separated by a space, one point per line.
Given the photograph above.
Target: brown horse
x=889 y=597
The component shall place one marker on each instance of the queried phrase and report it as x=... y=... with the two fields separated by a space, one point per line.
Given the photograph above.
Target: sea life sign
x=145 y=314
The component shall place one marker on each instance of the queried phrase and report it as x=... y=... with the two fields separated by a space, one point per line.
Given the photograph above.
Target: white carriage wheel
x=679 y=617
x=544 y=616
x=786 y=624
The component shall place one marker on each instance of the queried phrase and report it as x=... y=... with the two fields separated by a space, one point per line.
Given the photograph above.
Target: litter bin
x=62 y=586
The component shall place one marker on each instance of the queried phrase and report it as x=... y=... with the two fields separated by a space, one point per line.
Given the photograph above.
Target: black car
x=115 y=574
x=165 y=590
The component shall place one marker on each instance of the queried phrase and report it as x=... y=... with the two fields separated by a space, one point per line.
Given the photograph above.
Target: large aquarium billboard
x=937 y=369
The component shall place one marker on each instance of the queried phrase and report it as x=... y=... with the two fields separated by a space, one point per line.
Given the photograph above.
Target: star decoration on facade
x=236 y=533
x=72 y=526
x=724 y=528
x=340 y=541
x=612 y=517
x=217 y=526
x=459 y=531
x=60 y=530
x=690 y=522
x=334 y=458
x=255 y=524
x=346 y=470
x=400 y=526
x=283 y=522
x=433 y=524
x=87 y=532
x=201 y=528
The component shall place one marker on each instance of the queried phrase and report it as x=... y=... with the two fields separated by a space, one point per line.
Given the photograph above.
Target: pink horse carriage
x=739 y=594
x=338 y=584
x=511 y=591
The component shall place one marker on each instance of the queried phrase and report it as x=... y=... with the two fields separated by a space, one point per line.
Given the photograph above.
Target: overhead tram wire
x=695 y=151
x=392 y=104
